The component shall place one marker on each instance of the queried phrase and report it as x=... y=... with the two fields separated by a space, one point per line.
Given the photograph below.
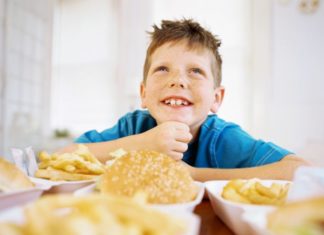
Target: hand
x=191 y=169
x=170 y=138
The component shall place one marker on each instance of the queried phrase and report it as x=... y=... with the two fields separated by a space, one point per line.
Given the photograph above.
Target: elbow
x=296 y=161
x=291 y=163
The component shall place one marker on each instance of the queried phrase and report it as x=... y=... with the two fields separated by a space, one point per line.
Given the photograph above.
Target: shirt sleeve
x=130 y=124
x=238 y=149
x=117 y=131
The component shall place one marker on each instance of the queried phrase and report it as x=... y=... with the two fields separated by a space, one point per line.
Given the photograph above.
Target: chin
x=175 y=119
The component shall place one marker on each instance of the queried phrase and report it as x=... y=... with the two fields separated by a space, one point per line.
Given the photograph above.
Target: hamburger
x=162 y=179
x=12 y=178
x=297 y=218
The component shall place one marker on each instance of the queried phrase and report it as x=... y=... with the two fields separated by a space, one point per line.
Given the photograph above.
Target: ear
x=219 y=96
x=143 y=94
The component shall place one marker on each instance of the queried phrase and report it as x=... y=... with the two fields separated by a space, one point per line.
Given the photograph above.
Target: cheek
x=202 y=91
x=205 y=95
x=152 y=88
x=151 y=93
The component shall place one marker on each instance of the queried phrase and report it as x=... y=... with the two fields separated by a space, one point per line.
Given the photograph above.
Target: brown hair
x=186 y=29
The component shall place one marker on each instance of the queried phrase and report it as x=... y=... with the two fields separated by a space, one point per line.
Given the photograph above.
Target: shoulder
x=213 y=124
x=138 y=116
x=137 y=121
x=219 y=131
x=215 y=138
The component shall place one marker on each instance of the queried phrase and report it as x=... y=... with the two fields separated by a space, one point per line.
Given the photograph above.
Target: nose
x=177 y=80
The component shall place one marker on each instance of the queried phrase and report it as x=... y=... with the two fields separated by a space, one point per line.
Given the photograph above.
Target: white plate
x=21 y=197
x=231 y=213
x=257 y=220
x=61 y=186
x=187 y=206
x=192 y=221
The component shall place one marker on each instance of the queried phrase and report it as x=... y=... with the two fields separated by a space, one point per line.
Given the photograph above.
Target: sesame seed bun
x=12 y=178
x=160 y=177
x=300 y=217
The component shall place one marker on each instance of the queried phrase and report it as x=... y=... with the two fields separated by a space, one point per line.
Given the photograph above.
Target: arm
x=171 y=138
x=102 y=149
x=283 y=170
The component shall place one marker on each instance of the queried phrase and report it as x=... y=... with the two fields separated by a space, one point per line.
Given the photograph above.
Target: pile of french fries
x=254 y=192
x=78 y=165
x=92 y=215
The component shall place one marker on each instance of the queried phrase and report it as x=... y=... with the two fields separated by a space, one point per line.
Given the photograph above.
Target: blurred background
x=68 y=66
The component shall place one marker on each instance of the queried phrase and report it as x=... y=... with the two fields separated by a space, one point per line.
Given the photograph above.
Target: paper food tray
x=21 y=197
x=191 y=221
x=188 y=206
x=25 y=159
x=308 y=183
x=257 y=221
x=61 y=186
x=231 y=213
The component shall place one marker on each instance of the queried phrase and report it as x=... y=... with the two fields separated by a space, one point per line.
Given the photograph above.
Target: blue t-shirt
x=220 y=144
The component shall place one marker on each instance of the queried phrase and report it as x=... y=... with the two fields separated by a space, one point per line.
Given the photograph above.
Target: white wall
x=296 y=97
x=25 y=52
x=85 y=63
x=134 y=19
x=2 y=13
x=99 y=51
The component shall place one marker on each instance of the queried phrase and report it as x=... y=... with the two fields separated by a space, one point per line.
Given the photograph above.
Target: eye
x=161 y=69
x=196 y=70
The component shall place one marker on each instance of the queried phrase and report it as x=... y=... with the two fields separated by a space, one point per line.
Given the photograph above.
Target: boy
x=181 y=85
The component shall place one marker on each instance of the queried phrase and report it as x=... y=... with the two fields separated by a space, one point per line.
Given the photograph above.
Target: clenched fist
x=170 y=138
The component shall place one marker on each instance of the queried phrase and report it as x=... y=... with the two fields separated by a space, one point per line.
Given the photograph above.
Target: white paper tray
x=61 y=186
x=192 y=221
x=21 y=197
x=231 y=213
x=188 y=206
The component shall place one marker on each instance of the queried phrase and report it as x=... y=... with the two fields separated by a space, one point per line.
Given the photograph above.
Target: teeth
x=176 y=102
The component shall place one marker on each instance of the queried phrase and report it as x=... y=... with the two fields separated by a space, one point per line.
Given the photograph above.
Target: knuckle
x=185 y=147
x=178 y=157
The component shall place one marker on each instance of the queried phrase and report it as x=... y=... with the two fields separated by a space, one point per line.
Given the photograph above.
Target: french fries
x=254 y=192
x=94 y=214
x=78 y=165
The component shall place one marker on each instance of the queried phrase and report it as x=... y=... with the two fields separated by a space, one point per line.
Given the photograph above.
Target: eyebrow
x=198 y=66
x=157 y=65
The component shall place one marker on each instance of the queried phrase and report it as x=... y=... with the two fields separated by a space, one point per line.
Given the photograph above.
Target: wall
x=288 y=104
x=296 y=100
x=100 y=46
x=134 y=19
x=84 y=65
x=2 y=20
x=26 y=39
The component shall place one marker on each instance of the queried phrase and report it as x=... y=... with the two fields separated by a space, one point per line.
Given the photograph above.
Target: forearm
x=282 y=170
x=102 y=149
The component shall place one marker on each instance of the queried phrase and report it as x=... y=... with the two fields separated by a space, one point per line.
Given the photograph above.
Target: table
x=210 y=223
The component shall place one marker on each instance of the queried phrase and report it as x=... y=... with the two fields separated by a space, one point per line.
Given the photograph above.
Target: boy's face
x=180 y=85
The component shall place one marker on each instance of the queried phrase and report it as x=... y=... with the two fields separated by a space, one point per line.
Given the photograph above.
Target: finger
x=179 y=147
x=176 y=155
x=183 y=136
x=181 y=126
x=177 y=125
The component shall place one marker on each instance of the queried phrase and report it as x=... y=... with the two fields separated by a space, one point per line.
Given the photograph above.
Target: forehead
x=174 y=49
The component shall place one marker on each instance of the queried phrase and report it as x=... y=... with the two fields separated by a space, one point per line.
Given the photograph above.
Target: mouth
x=176 y=101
